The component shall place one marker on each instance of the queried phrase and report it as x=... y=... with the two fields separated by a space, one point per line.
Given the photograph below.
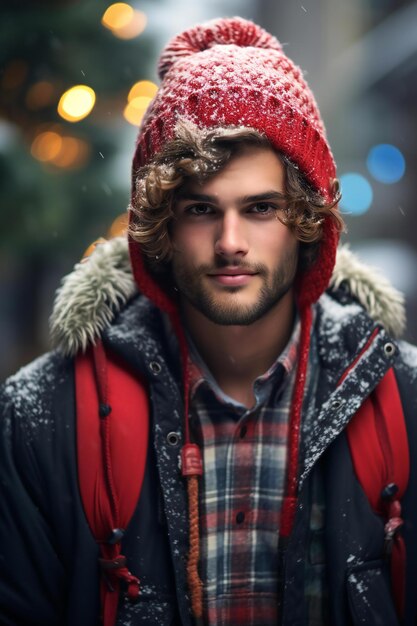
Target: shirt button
x=240 y=517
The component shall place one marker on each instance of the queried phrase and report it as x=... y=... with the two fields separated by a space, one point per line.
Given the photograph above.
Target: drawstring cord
x=289 y=504
x=192 y=470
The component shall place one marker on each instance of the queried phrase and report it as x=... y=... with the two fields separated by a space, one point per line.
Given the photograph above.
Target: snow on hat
x=231 y=72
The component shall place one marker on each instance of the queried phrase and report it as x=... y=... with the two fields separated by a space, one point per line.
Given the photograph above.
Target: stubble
x=226 y=309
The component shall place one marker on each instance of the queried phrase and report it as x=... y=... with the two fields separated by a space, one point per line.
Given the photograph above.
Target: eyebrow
x=260 y=197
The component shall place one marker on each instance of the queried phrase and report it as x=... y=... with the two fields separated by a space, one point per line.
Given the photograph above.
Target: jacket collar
x=353 y=358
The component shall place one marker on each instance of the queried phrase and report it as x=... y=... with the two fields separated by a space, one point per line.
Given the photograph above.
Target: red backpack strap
x=378 y=445
x=112 y=439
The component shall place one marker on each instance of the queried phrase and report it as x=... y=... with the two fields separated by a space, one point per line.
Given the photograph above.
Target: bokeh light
x=76 y=103
x=135 y=110
x=62 y=151
x=88 y=252
x=386 y=163
x=124 y=21
x=39 y=95
x=74 y=153
x=357 y=194
x=135 y=27
x=119 y=226
x=46 y=146
x=117 y=15
x=143 y=88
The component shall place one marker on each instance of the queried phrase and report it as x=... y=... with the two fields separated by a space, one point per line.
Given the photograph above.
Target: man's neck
x=237 y=355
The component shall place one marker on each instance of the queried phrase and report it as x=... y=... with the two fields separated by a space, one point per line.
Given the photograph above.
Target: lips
x=235 y=276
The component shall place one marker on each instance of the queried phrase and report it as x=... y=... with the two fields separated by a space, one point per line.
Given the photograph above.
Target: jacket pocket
x=369 y=595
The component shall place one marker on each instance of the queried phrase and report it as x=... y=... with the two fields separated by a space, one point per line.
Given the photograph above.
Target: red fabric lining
x=129 y=439
x=370 y=460
x=111 y=460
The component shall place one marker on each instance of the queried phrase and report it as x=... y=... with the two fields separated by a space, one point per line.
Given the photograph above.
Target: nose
x=231 y=237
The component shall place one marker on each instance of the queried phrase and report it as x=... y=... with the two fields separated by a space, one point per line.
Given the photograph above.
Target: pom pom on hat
x=235 y=31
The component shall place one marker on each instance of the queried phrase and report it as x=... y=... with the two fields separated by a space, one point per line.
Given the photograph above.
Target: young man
x=259 y=367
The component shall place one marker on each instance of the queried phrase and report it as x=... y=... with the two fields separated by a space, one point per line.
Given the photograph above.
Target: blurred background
x=76 y=77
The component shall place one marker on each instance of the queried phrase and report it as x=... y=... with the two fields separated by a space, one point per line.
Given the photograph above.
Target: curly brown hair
x=201 y=153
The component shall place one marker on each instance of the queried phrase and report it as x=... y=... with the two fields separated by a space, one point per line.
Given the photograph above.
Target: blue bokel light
x=386 y=163
x=357 y=194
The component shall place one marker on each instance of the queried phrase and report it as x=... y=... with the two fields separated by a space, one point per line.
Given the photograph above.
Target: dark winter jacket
x=49 y=573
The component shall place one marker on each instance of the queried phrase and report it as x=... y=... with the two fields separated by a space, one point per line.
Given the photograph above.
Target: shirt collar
x=284 y=364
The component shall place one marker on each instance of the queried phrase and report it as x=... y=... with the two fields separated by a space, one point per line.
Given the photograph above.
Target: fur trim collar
x=98 y=288
x=384 y=304
x=91 y=296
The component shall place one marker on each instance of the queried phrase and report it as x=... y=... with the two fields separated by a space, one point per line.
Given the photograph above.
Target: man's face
x=233 y=260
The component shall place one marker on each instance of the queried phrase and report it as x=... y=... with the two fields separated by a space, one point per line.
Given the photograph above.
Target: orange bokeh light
x=117 y=15
x=61 y=151
x=119 y=226
x=124 y=21
x=73 y=154
x=46 y=146
x=136 y=109
x=143 y=88
x=40 y=95
x=92 y=247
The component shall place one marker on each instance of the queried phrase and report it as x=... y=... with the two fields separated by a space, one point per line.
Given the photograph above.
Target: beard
x=190 y=282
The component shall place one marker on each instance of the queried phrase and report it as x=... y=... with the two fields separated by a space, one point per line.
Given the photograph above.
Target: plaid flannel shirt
x=244 y=456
